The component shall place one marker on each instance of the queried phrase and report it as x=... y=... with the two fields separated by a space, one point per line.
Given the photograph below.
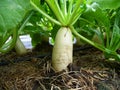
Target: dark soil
x=33 y=71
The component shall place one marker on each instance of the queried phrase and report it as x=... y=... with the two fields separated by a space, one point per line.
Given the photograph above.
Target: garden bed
x=33 y=71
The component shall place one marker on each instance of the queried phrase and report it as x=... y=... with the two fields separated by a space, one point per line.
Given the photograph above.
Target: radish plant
x=66 y=13
x=95 y=17
x=103 y=20
x=68 y=17
x=12 y=13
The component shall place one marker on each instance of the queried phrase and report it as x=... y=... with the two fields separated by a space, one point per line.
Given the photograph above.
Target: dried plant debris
x=26 y=76
x=86 y=73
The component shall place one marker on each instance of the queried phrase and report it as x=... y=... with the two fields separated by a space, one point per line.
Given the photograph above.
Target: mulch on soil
x=33 y=71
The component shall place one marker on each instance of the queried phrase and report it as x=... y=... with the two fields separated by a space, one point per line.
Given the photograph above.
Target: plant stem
x=100 y=47
x=8 y=46
x=63 y=7
x=56 y=9
x=5 y=38
x=25 y=21
x=46 y=15
x=69 y=9
x=76 y=12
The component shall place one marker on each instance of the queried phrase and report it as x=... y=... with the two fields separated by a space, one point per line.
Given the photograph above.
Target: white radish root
x=62 y=50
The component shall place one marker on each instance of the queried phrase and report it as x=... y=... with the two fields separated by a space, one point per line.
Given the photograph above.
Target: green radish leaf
x=12 y=12
x=94 y=12
x=114 y=43
x=93 y=18
x=38 y=27
x=108 y=4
